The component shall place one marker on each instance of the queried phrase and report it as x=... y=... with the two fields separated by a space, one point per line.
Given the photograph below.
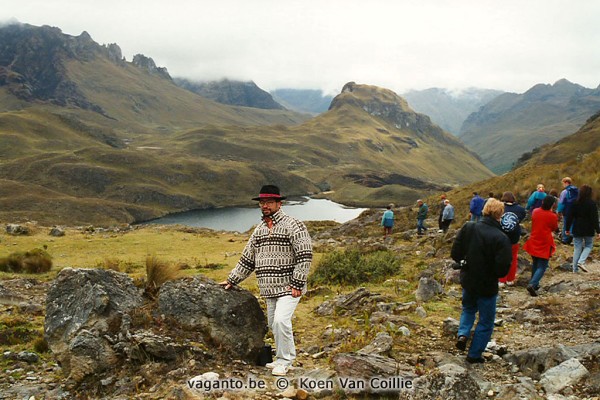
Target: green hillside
x=104 y=141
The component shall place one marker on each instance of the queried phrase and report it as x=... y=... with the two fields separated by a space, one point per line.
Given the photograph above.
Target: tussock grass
x=113 y=264
x=35 y=261
x=158 y=272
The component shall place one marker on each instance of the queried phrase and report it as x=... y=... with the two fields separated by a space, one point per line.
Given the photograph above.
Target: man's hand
x=226 y=285
x=296 y=292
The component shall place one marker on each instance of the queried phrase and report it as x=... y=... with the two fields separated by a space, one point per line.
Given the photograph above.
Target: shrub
x=159 y=272
x=40 y=345
x=15 y=330
x=35 y=261
x=353 y=267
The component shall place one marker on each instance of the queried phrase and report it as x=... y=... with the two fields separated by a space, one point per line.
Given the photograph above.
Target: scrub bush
x=352 y=267
x=36 y=261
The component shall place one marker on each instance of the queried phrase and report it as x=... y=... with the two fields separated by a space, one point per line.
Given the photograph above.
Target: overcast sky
x=509 y=45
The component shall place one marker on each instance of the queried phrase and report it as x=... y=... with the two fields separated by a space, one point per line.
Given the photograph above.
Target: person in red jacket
x=540 y=244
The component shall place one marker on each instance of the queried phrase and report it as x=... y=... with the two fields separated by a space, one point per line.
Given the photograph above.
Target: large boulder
x=568 y=373
x=83 y=306
x=534 y=362
x=229 y=319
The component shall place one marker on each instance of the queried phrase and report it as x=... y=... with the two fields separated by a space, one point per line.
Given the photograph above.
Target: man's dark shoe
x=478 y=360
x=461 y=343
x=531 y=290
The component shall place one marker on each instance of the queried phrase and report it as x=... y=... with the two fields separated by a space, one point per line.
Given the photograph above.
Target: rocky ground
x=545 y=347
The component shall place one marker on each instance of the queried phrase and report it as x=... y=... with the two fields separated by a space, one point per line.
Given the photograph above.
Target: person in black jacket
x=487 y=252
x=584 y=221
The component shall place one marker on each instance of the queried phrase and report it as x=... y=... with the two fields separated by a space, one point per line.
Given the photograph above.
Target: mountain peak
x=368 y=97
x=148 y=64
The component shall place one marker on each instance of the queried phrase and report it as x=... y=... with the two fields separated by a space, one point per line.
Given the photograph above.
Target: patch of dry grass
x=158 y=272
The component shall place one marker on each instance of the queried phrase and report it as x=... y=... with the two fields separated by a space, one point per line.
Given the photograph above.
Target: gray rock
x=87 y=354
x=83 y=306
x=28 y=357
x=533 y=316
x=428 y=289
x=404 y=331
x=533 y=362
x=565 y=374
x=16 y=229
x=420 y=311
x=369 y=365
x=344 y=303
x=382 y=344
x=57 y=232
x=450 y=327
x=523 y=390
x=231 y=318
x=449 y=381
x=146 y=345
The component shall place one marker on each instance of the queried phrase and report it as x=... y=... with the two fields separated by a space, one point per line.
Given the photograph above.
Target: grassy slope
x=577 y=156
x=64 y=165
x=152 y=102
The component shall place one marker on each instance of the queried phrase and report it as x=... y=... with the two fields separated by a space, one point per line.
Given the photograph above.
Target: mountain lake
x=241 y=219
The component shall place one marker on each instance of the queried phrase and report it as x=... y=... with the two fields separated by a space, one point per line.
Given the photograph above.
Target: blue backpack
x=572 y=194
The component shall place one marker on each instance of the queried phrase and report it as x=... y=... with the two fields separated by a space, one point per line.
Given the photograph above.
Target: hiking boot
x=461 y=343
x=531 y=290
x=581 y=267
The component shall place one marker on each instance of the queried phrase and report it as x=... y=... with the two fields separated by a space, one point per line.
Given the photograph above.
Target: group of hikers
x=486 y=248
x=279 y=252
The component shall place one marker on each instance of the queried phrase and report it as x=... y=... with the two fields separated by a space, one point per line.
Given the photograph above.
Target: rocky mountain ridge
x=33 y=63
x=513 y=124
x=235 y=93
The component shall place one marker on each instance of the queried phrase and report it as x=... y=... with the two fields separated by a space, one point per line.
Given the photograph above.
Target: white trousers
x=279 y=318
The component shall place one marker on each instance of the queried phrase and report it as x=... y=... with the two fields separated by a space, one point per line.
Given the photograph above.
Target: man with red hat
x=280 y=252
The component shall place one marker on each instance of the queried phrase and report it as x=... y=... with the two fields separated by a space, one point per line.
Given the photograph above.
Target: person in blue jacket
x=536 y=198
x=476 y=207
x=447 y=215
x=387 y=221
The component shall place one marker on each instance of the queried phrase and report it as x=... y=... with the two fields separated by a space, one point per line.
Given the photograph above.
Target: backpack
x=509 y=222
x=572 y=194
x=510 y=226
x=537 y=203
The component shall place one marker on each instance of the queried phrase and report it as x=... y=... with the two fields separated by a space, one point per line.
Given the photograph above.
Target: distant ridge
x=513 y=124
x=235 y=93
x=303 y=100
x=449 y=109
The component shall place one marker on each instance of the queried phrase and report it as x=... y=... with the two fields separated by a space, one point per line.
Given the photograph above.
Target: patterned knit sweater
x=281 y=257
